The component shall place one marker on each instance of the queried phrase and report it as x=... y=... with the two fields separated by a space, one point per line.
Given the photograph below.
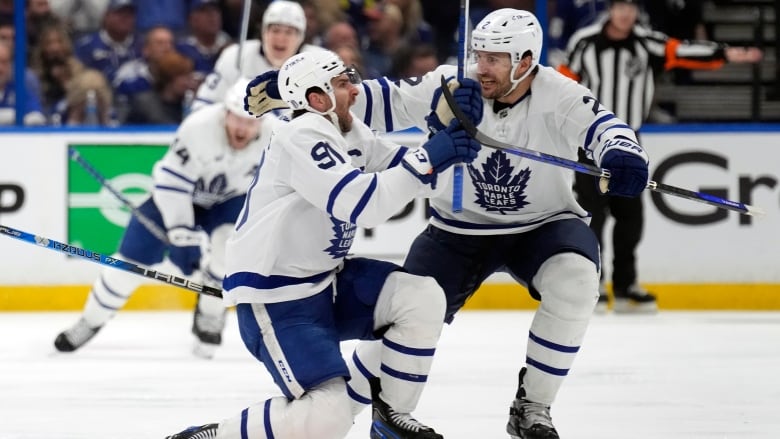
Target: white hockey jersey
x=505 y=193
x=314 y=187
x=226 y=72
x=200 y=168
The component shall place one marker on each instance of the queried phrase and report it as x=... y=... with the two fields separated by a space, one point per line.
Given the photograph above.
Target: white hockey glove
x=262 y=94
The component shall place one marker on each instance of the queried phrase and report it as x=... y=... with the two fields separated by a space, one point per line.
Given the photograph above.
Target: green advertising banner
x=96 y=217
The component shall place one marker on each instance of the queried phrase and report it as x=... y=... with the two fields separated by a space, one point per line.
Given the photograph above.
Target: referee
x=617 y=59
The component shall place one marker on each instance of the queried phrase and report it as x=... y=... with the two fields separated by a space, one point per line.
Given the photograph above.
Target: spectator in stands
x=205 y=39
x=90 y=84
x=82 y=17
x=7 y=31
x=114 y=44
x=7 y=9
x=414 y=60
x=171 y=14
x=164 y=103
x=570 y=16
x=54 y=63
x=352 y=57
x=38 y=14
x=617 y=58
x=415 y=29
x=33 y=112
x=340 y=33
x=134 y=76
x=385 y=33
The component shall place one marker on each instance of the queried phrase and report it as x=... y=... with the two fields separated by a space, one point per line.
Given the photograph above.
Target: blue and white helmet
x=306 y=70
x=511 y=31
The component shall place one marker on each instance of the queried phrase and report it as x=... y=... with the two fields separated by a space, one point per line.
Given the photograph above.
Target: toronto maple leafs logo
x=343 y=235
x=497 y=189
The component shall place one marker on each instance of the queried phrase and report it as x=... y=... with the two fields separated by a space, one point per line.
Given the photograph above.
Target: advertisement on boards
x=96 y=217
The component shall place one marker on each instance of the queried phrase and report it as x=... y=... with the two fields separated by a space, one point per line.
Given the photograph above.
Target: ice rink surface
x=687 y=375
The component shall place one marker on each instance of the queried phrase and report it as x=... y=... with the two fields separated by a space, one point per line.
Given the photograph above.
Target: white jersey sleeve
x=388 y=106
x=200 y=168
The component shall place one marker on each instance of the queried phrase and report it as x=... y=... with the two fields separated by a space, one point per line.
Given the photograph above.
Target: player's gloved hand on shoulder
x=446 y=148
x=628 y=173
x=468 y=95
x=262 y=94
x=185 y=251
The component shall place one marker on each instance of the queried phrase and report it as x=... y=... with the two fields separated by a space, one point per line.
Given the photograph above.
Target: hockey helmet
x=512 y=31
x=285 y=12
x=313 y=69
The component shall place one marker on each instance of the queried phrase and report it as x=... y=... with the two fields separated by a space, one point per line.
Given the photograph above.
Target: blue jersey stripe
x=363 y=200
x=369 y=104
x=593 y=127
x=260 y=282
x=337 y=189
x=427 y=352
x=177 y=175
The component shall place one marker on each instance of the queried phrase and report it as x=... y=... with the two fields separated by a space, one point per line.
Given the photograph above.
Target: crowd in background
x=117 y=62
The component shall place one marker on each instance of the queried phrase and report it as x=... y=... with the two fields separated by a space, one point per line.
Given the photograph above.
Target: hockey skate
x=208 y=332
x=208 y=431
x=389 y=424
x=75 y=337
x=634 y=300
x=529 y=420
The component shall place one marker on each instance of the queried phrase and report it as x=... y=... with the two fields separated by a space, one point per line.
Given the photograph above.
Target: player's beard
x=496 y=89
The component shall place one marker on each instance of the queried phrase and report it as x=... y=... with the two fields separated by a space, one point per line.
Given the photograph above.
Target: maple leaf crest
x=497 y=188
x=343 y=236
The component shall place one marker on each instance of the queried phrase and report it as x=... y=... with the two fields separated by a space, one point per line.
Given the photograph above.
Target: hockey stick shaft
x=589 y=169
x=102 y=259
x=243 y=33
x=457 y=170
x=150 y=225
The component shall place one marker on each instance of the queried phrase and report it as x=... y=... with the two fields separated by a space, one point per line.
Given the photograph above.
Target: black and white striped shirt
x=621 y=73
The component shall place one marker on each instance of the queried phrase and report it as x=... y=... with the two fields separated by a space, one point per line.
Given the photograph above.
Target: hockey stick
x=589 y=169
x=457 y=170
x=243 y=33
x=150 y=225
x=111 y=262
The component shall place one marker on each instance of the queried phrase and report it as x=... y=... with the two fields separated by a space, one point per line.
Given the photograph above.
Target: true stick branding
x=96 y=218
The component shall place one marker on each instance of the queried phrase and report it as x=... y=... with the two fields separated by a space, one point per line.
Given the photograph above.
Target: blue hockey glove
x=444 y=149
x=262 y=94
x=185 y=251
x=468 y=95
x=628 y=173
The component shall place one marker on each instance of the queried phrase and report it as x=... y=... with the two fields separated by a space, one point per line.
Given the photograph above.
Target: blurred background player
x=323 y=175
x=282 y=32
x=199 y=188
x=618 y=58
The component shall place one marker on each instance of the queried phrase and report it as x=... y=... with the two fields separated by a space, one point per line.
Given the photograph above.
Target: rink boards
x=692 y=255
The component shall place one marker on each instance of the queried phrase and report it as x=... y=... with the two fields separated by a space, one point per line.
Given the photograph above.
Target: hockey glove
x=447 y=147
x=262 y=94
x=467 y=94
x=628 y=173
x=185 y=251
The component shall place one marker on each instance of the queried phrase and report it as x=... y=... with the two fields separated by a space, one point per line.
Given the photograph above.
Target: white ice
x=686 y=375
